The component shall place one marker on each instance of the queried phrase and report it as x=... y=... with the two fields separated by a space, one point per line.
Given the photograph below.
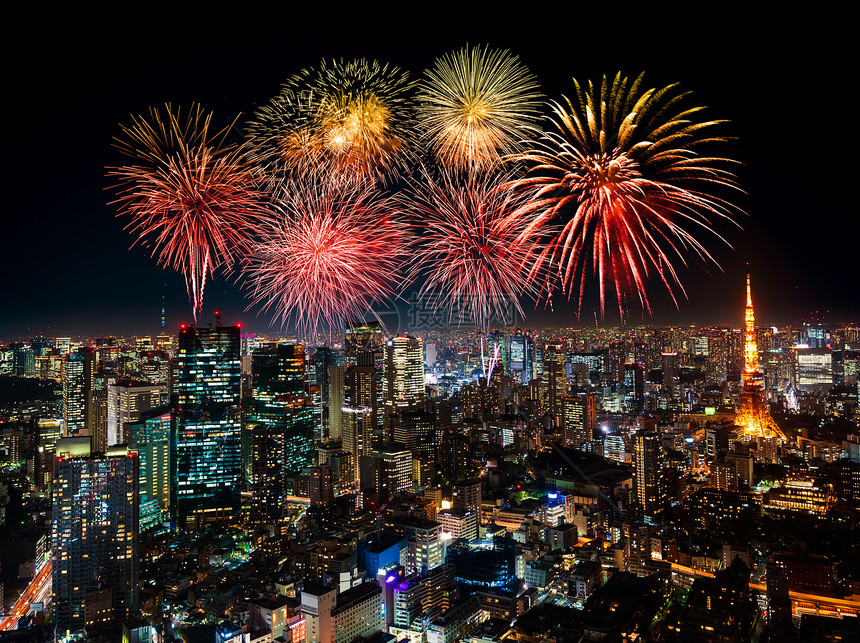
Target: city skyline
x=792 y=209
x=431 y=490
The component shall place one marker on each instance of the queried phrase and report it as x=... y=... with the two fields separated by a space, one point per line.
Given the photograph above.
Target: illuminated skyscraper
x=125 y=402
x=358 y=428
x=648 y=472
x=362 y=338
x=207 y=456
x=336 y=383
x=284 y=415
x=579 y=419
x=403 y=374
x=496 y=344
x=522 y=357
x=281 y=401
x=94 y=540
x=362 y=382
x=814 y=369
x=753 y=415
x=672 y=372
x=634 y=387
x=150 y=437
x=555 y=373
x=78 y=368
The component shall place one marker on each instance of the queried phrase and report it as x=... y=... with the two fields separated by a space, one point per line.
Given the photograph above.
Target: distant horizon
x=278 y=333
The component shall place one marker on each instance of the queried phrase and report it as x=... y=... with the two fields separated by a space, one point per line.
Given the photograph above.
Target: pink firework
x=621 y=175
x=331 y=253
x=474 y=255
x=190 y=195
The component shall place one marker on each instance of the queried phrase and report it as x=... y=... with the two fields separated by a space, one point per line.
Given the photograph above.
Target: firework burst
x=353 y=117
x=474 y=105
x=281 y=135
x=473 y=254
x=331 y=253
x=622 y=171
x=190 y=194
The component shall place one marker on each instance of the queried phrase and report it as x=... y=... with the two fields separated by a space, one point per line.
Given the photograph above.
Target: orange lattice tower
x=753 y=415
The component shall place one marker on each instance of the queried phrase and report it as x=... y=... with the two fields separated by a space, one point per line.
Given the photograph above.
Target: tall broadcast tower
x=753 y=415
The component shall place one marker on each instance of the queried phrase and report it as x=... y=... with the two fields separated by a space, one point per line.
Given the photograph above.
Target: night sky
x=783 y=81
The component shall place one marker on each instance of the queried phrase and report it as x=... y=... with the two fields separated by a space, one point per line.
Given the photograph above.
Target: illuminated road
x=38 y=591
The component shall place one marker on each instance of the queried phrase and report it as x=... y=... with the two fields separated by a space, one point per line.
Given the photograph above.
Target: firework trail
x=475 y=104
x=493 y=362
x=621 y=170
x=190 y=194
x=473 y=255
x=354 y=118
x=332 y=251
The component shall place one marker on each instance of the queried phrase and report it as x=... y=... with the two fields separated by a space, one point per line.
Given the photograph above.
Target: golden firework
x=348 y=117
x=474 y=105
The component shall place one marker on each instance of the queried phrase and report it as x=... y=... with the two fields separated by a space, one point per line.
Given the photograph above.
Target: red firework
x=333 y=250
x=190 y=195
x=476 y=257
x=623 y=174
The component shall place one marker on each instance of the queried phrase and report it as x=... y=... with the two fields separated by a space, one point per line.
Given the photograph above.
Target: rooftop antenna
x=217 y=319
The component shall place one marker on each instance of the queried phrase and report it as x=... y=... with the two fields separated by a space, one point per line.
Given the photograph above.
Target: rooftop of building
x=491 y=629
x=350 y=597
x=274 y=602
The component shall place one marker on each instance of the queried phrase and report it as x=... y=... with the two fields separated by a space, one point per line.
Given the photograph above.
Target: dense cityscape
x=575 y=484
x=333 y=326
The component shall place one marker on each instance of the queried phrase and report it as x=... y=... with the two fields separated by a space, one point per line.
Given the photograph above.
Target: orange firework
x=623 y=173
x=353 y=118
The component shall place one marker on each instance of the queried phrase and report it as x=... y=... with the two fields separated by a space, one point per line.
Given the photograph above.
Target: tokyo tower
x=753 y=416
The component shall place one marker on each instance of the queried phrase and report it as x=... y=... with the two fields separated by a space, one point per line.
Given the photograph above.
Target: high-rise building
x=357 y=433
x=648 y=472
x=431 y=354
x=362 y=387
x=282 y=404
x=634 y=387
x=403 y=374
x=282 y=419
x=362 y=338
x=497 y=347
x=580 y=419
x=94 y=540
x=672 y=372
x=390 y=469
x=207 y=456
x=75 y=392
x=155 y=368
x=522 y=349
x=555 y=373
x=336 y=382
x=321 y=481
x=125 y=402
x=458 y=523
x=150 y=437
x=814 y=369
x=416 y=430
x=467 y=495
